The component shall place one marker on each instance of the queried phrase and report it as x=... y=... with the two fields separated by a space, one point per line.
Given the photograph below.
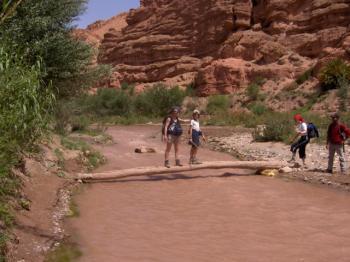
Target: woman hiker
x=172 y=132
x=300 y=144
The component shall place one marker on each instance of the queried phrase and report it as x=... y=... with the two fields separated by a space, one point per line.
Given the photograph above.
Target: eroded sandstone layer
x=223 y=45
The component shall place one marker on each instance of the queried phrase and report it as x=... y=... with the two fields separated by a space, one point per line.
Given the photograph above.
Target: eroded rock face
x=222 y=45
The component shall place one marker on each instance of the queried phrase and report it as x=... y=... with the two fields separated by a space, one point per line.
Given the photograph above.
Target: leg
x=167 y=152
x=341 y=155
x=331 y=152
x=302 y=148
x=177 y=147
x=191 y=154
x=195 y=150
x=293 y=149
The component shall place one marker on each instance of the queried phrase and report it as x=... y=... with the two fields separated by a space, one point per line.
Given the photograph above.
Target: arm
x=165 y=136
x=184 y=120
x=190 y=133
x=203 y=136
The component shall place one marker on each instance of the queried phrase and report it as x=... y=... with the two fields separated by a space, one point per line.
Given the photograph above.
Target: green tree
x=43 y=28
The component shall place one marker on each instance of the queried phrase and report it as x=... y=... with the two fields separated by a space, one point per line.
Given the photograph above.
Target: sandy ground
x=225 y=215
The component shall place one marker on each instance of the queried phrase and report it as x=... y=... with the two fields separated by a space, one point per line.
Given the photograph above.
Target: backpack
x=312 y=131
x=342 y=133
x=174 y=128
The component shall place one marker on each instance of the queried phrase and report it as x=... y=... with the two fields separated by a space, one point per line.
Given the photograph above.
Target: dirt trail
x=206 y=215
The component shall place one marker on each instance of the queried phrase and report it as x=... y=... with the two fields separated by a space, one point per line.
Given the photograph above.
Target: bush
x=277 y=128
x=157 y=100
x=304 y=77
x=109 y=101
x=218 y=103
x=253 y=91
x=25 y=102
x=258 y=108
x=191 y=90
x=333 y=73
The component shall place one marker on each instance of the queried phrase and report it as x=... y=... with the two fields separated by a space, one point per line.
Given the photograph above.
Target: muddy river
x=225 y=215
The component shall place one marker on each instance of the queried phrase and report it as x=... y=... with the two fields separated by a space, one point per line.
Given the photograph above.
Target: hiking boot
x=178 y=163
x=329 y=171
x=166 y=163
x=292 y=160
x=196 y=162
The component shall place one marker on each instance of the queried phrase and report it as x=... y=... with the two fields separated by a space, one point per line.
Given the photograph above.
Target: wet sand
x=220 y=215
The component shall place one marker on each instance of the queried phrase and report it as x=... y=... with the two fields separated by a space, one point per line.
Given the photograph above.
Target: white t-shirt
x=302 y=128
x=195 y=125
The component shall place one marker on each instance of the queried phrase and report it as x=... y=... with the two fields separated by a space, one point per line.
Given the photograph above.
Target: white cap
x=196 y=112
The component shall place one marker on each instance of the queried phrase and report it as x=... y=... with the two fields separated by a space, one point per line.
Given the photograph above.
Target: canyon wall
x=223 y=45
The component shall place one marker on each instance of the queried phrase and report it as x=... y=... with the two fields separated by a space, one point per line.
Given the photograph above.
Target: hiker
x=336 y=135
x=172 y=132
x=300 y=144
x=194 y=137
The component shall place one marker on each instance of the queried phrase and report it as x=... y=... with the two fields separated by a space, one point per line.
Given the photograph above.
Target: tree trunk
x=146 y=171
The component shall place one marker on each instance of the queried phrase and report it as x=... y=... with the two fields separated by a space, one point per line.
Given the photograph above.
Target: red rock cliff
x=222 y=45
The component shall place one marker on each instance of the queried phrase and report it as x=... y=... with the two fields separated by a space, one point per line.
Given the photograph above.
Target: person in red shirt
x=336 y=136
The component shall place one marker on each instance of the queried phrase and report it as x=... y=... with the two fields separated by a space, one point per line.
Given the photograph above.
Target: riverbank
x=44 y=201
x=240 y=143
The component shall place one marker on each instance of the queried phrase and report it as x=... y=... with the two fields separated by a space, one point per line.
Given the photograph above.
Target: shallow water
x=203 y=216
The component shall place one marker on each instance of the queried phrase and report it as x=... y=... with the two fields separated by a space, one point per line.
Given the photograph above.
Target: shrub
x=109 y=101
x=218 y=103
x=24 y=101
x=258 y=108
x=343 y=94
x=157 y=100
x=63 y=253
x=190 y=89
x=277 y=128
x=128 y=88
x=253 y=91
x=304 y=77
x=334 y=72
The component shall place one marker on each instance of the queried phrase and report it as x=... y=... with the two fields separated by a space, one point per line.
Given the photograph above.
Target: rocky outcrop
x=223 y=45
x=95 y=32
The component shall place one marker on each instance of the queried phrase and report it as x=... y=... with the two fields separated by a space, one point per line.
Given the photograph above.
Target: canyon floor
x=221 y=215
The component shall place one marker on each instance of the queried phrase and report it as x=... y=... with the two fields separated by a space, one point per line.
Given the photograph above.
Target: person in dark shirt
x=336 y=135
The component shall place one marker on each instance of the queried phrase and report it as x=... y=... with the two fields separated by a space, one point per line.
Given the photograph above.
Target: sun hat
x=175 y=109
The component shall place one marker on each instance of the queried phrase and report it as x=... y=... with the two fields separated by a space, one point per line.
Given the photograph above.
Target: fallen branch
x=146 y=171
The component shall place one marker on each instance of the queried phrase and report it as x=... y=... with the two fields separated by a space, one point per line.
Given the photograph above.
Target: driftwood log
x=146 y=171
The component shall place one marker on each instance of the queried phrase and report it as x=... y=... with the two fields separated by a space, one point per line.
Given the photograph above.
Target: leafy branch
x=7 y=8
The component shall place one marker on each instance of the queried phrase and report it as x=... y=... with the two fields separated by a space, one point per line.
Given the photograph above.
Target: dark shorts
x=196 y=138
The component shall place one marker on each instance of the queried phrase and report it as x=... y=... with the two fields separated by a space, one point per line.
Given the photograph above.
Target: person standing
x=195 y=134
x=172 y=132
x=300 y=144
x=336 y=135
